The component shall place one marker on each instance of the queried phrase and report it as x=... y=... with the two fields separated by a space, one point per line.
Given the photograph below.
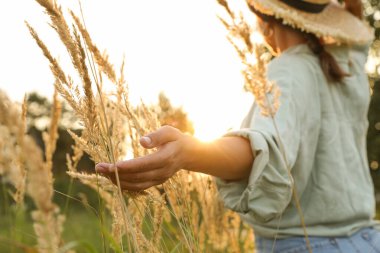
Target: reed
x=12 y=145
x=30 y=171
x=112 y=128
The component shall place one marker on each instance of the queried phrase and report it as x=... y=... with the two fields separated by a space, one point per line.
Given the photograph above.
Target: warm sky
x=175 y=46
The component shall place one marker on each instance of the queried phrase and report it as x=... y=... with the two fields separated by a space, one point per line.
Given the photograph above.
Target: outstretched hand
x=229 y=158
x=144 y=172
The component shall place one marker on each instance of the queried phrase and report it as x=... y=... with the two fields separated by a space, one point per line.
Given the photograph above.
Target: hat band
x=305 y=6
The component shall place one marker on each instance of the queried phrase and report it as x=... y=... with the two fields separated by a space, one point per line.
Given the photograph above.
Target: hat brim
x=334 y=22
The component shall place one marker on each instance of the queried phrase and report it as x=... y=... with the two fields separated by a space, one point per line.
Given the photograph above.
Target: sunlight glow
x=256 y=37
x=173 y=46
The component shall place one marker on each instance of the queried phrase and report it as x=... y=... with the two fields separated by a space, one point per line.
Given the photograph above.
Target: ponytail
x=330 y=67
x=355 y=7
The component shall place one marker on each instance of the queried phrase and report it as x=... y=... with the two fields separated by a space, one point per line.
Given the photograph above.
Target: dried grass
x=12 y=145
x=112 y=128
x=23 y=164
x=254 y=57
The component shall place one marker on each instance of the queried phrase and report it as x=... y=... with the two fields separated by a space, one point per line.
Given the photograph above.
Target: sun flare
x=189 y=59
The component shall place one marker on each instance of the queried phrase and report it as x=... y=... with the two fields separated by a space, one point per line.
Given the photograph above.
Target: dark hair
x=329 y=66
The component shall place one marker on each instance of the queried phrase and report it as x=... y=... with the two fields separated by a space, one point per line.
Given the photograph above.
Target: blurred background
x=178 y=47
x=372 y=12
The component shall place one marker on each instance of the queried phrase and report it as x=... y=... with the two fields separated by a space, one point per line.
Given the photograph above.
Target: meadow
x=87 y=212
x=44 y=209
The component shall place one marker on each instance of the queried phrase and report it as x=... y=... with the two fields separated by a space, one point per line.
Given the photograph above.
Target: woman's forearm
x=229 y=158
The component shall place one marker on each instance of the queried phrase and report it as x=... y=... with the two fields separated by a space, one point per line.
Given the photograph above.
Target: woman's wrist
x=229 y=158
x=191 y=152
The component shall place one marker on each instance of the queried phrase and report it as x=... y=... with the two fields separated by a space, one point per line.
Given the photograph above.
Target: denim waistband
x=365 y=240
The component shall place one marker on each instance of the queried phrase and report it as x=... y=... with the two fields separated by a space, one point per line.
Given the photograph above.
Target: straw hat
x=323 y=18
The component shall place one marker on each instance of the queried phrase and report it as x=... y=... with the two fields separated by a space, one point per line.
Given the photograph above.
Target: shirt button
x=365 y=236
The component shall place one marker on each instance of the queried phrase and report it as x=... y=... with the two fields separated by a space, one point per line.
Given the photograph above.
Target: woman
x=320 y=48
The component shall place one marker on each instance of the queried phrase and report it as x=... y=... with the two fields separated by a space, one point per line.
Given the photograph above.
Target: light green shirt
x=323 y=127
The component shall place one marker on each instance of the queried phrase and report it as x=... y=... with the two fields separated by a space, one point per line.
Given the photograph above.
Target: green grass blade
x=76 y=245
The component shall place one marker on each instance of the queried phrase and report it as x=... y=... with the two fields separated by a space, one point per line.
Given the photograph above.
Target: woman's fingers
x=102 y=167
x=140 y=164
x=144 y=172
x=152 y=175
x=160 y=137
x=139 y=186
x=166 y=156
x=137 y=182
x=155 y=175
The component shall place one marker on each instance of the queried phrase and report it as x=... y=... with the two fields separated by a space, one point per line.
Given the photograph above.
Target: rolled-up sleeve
x=274 y=143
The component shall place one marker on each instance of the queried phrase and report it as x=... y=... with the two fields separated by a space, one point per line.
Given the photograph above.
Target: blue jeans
x=366 y=240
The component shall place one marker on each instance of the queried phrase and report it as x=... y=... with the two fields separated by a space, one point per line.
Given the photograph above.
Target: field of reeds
x=183 y=214
x=86 y=212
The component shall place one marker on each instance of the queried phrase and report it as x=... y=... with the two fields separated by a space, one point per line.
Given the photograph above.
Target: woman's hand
x=153 y=169
x=229 y=158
